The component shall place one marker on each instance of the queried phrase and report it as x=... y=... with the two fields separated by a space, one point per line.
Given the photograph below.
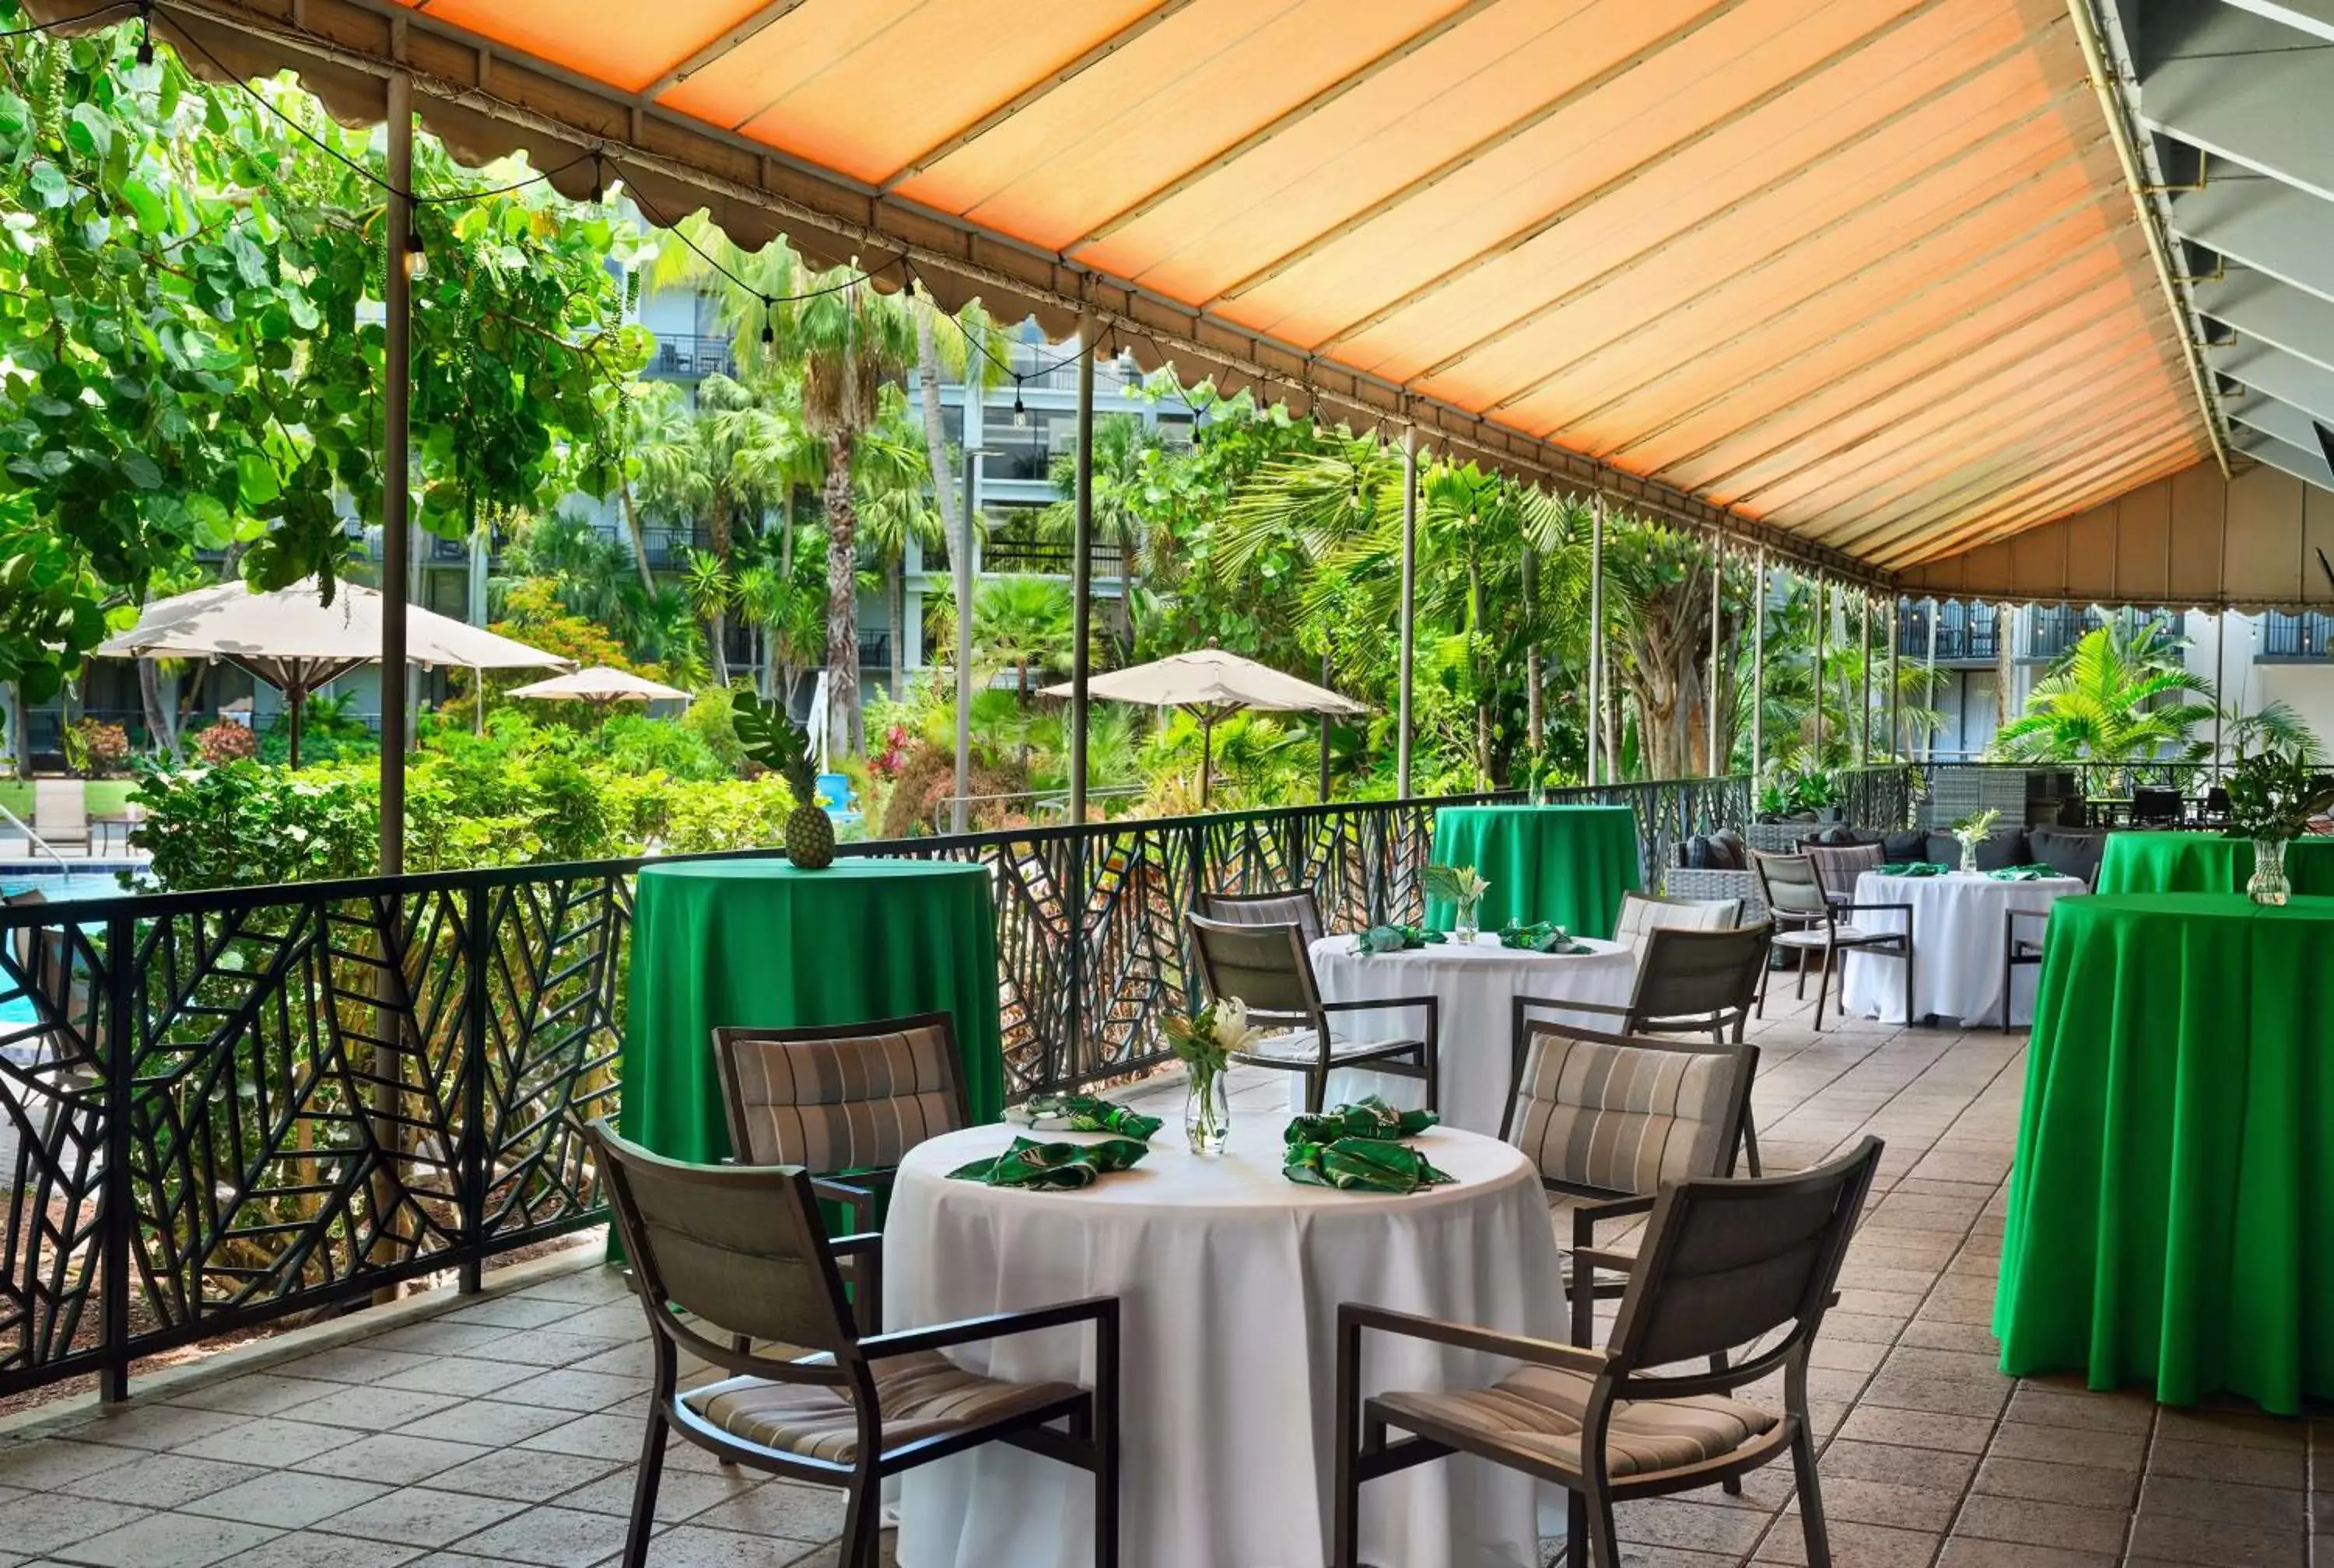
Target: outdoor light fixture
x=769 y=326
x=417 y=258
x=145 y=34
x=599 y=182
x=1020 y=414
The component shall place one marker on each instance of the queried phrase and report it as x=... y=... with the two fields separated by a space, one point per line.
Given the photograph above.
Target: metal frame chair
x=1727 y=1262
x=1269 y=968
x=853 y=1183
x=2017 y=953
x=1610 y=1203
x=742 y=1247
x=1808 y=922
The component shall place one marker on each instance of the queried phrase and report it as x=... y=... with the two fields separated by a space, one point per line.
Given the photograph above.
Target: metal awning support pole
x=1409 y=606
x=1896 y=688
x=2220 y=702
x=960 y=569
x=1324 y=716
x=1823 y=618
x=1864 y=669
x=1929 y=681
x=1711 y=767
x=1758 y=668
x=1596 y=639
x=397 y=381
x=1082 y=570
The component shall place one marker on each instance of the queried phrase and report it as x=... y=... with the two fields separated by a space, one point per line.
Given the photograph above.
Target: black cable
x=673 y=227
x=73 y=21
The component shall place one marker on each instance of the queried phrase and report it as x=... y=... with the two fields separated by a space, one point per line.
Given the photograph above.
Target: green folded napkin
x=1540 y=937
x=1369 y=1118
x=1092 y=1113
x=1396 y=939
x=1029 y=1163
x=1362 y=1165
x=1912 y=869
x=2022 y=873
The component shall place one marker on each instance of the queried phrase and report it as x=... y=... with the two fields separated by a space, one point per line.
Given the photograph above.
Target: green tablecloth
x=2177 y=862
x=2172 y=1199
x=1568 y=864
x=760 y=943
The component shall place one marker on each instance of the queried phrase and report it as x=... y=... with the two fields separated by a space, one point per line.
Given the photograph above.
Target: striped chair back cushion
x=1838 y=865
x=1641 y=915
x=1619 y=1116
x=855 y=1103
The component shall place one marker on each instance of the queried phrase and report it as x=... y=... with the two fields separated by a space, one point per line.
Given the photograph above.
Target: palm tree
x=894 y=508
x=1023 y=623
x=971 y=354
x=657 y=442
x=2121 y=695
x=1125 y=486
x=2276 y=727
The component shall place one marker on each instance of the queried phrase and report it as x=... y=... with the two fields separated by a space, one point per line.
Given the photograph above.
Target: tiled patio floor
x=504 y=1427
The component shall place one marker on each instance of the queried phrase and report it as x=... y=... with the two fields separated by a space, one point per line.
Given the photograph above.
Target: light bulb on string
x=145 y=34
x=769 y=326
x=1020 y=414
x=417 y=255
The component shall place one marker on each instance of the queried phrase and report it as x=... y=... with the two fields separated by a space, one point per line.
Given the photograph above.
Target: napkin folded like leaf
x=1362 y=1165
x=1912 y=869
x=1092 y=1113
x=1370 y=1118
x=1396 y=939
x=2022 y=873
x=1540 y=937
x=1066 y=1166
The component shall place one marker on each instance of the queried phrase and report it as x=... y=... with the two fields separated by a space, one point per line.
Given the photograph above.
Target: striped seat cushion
x=849 y=1103
x=1298 y=1046
x=1620 y=1118
x=1538 y=1409
x=919 y=1396
x=1842 y=935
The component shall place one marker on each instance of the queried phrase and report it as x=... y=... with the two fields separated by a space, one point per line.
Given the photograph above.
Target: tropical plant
x=2121 y=695
x=894 y=507
x=1023 y=624
x=1125 y=492
x=2275 y=794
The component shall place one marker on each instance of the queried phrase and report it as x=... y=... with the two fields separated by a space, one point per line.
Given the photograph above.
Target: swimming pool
x=60 y=887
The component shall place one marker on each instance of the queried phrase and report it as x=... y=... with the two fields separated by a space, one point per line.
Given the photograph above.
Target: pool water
x=17 y=1011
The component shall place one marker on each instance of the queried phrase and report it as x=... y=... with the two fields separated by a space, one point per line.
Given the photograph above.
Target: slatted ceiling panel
x=1864 y=270
x=1454 y=81
x=1924 y=319
x=1631 y=88
x=1166 y=102
x=628 y=46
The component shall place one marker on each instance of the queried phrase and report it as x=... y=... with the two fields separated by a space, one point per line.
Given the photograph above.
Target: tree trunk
x=895 y=607
x=160 y=730
x=842 y=601
x=717 y=629
x=639 y=536
x=928 y=394
x=2005 y=666
x=20 y=753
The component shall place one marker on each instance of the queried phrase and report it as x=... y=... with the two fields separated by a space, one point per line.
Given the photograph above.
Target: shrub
x=225 y=742
x=96 y=748
x=225 y=826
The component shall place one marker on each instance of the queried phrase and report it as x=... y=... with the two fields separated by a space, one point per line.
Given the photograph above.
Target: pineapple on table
x=777 y=743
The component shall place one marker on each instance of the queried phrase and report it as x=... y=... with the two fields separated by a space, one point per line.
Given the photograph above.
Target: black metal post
x=119 y=1226
x=470 y=1163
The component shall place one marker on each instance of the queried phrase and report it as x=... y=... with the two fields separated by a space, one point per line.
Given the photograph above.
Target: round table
x=1566 y=864
x=2173 y=1185
x=761 y=942
x=1957 y=945
x=1230 y=1276
x=1477 y=985
x=2178 y=862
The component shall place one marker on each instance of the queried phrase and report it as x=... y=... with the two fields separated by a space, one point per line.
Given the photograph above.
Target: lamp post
x=1082 y=572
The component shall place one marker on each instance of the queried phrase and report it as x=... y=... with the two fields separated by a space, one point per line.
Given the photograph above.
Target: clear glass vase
x=2268 y=884
x=1969 y=857
x=1463 y=923
x=1207 y=1109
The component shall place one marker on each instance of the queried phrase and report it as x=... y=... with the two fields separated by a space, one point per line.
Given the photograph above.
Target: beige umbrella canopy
x=295 y=642
x=600 y=684
x=1215 y=685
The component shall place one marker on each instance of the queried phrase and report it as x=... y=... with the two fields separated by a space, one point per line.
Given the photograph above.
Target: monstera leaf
x=775 y=741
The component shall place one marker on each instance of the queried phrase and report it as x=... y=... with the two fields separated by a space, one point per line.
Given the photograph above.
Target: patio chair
x=2022 y=948
x=844 y=1102
x=740 y=1251
x=1607 y=1119
x=1298 y=908
x=1808 y=922
x=61 y=812
x=1838 y=865
x=1641 y=914
x=2157 y=807
x=1726 y=1264
x=1268 y=968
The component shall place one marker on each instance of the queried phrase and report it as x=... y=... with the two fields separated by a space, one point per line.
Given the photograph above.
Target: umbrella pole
x=1206 y=751
x=297 y=698
x=1082 y=569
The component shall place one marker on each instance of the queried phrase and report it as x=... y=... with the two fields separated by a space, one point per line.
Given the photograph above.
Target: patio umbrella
x=295 y=642
x=1214 y=685
x=600 y=684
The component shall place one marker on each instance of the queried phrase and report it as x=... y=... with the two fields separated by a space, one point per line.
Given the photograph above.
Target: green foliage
x=774 y=741
x=218 y=827
x=2275 y=794
x=2121 y=695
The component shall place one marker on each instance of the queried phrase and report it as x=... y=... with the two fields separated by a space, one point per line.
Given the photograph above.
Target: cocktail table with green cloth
x=1565 y=864
x=2147 y=862
x=759 y=943
x=2173 y=1190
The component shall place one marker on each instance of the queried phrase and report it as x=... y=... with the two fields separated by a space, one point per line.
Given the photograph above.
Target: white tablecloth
x=1230 y=1276
x=1957 y=969
x=1477 y=985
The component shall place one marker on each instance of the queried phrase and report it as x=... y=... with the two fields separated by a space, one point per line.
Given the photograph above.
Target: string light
x=769 y=325
x=599 y=179
x=1020 y=414
x=417 y=255
x=145 y=34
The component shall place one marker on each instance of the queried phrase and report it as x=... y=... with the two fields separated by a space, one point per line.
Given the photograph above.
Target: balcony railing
x=2298 y=638
x=1046 y=557
x=232 y=1106
x=690 y=356
x=1965 y=633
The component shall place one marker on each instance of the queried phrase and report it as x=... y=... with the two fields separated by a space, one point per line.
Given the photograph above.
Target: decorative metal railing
x=220 y=1108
